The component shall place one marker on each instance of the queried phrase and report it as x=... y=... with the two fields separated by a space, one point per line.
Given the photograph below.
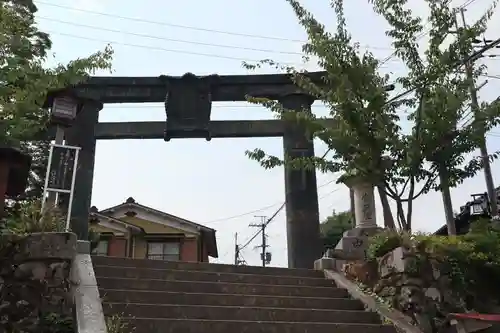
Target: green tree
x=25 y=80
x=334 y=226
x=443 y=94
x=368 y=138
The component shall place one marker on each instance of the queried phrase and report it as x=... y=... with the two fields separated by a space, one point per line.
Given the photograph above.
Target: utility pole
x=238 y=259
x=236 y=250
x=490 y=187
x=264 y=255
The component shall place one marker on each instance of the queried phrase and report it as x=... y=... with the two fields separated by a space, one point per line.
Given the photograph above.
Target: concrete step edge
x=232 y=307
x=224 y=283
x=215 y=273
x=210 y=265
x=355 y=325
x=103 y=291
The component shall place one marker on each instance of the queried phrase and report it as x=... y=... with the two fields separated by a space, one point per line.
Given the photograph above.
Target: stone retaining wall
x=414 y=288
x=34 y=281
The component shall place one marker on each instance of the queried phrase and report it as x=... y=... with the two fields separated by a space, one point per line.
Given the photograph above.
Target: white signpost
x=61 y=174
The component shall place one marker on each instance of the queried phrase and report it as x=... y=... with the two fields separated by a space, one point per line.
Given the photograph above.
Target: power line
x=257 y=210
x=211 y=55
x=266 y=224
x=176 y=40
x=469 y=68
x=495 y=77
x=274 y=215
x=166 y=38
x=188 y=27
x=241 y=215
x=243 y=260
x=180 y=41
x=423 y=34
x=264 y=255
x=471 y=58
x=169 y=24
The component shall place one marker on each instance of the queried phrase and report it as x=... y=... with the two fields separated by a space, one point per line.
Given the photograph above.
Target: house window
x=101 y=249
x=168 y=251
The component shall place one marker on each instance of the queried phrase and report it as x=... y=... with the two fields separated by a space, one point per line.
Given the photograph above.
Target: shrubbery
x=29 y=218
x=464 y=269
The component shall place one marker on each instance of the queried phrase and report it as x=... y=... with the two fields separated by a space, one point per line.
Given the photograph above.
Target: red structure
x=14 y=171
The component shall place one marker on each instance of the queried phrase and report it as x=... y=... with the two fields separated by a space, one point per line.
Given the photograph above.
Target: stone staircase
x=174 y=297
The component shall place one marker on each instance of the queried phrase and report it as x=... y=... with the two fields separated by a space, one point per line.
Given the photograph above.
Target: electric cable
x=186 y=26
x=467 y=3
x=156 y=48
x=169 y=24
x=260 y=230
x=166 y=38
x=423 y=34
x=459 y=64
x=274 y=215
x=210 y=55
x=257 y=210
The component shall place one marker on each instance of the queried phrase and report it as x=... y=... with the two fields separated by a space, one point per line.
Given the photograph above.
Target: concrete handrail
x=87 y=302
x=398 y=319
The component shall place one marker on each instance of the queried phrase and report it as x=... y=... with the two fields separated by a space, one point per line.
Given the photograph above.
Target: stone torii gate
x=188 y=106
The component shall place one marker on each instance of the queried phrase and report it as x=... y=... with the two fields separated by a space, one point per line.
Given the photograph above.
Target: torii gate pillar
x=82 y=134
x=301 y=192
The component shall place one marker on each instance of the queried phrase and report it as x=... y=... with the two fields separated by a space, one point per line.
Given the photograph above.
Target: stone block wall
x=34 y=282
x=417 y=289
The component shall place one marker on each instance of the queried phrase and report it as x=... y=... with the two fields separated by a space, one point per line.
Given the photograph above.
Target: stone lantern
x=14 y=171
x=63 y=111
x=354 y=242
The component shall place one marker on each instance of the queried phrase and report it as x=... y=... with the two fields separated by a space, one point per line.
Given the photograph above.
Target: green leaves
x=25 y=81
x=333 y=228
x=368 y=137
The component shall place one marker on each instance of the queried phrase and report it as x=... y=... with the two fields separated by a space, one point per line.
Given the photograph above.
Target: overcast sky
x=213 y=183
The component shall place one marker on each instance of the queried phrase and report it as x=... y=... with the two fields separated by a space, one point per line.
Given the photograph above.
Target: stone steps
x=220 y=287
x=182 y=275
x=149 y=325
x=163 y=297
x=175 y=311
x=263 y=301
x=205 y=267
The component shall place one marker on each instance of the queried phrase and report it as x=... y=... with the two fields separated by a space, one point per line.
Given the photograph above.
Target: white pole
x=47 y=174
x=72 y=188
x=53 y=198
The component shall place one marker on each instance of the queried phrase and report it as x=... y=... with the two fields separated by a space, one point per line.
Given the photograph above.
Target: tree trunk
x=351 y=197
x=446 y=195
x=388 y=218
x=401 y=216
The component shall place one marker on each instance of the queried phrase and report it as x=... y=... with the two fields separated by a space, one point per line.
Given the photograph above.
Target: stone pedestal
x=355 y=241
x=325 y=263
x=364 y=202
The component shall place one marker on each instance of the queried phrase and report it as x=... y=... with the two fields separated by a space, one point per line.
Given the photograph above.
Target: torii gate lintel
x=303 y=238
